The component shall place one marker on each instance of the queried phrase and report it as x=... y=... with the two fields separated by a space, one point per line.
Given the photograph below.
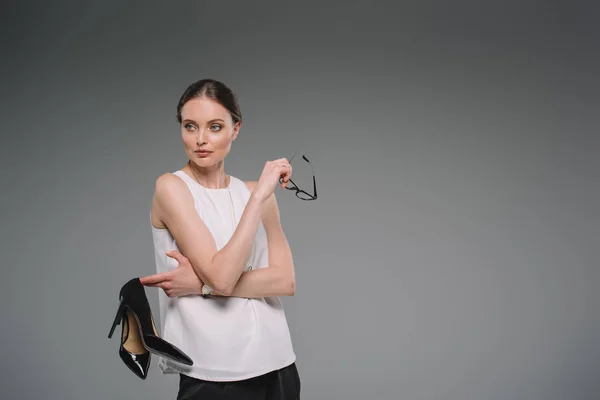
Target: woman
x=220 y=303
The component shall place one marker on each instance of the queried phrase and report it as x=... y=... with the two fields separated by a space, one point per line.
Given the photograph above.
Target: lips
x=202 y=152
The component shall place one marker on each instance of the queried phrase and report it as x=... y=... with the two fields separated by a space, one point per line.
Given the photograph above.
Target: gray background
x=453 y=253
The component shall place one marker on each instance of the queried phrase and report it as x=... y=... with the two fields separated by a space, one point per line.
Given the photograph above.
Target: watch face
x=206 y=290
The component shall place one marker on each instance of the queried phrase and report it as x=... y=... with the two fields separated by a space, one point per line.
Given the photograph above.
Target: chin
x=205 y=161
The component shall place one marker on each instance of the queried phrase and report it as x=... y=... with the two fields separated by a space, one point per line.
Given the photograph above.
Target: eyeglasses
x=301 y=194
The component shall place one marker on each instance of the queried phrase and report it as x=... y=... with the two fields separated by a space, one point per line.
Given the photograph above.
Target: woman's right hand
x=177 y=282
x=272 y=173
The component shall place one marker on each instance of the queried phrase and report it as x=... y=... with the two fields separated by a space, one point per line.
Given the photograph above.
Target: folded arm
x=263 y=282
x=221 y=269
x=278 y=278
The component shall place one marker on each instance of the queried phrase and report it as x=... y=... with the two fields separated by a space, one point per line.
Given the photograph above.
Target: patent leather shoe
x=132 y=351
x=133 y=298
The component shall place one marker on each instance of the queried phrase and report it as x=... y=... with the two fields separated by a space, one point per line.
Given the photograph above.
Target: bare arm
x=221 y=269
x=278 y=279
x=263 y=282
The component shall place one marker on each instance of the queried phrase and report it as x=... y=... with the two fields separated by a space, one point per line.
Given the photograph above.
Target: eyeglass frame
x=296 y=188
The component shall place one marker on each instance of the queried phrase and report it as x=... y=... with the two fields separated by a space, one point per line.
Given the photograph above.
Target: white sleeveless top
x=228 y=338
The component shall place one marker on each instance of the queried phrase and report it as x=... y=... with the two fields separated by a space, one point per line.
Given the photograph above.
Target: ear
x=236 y=130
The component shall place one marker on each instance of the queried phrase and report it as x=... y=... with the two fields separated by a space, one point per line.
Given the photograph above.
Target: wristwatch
x=206 y=290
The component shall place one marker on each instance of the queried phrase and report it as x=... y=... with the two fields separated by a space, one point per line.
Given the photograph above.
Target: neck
x=210 y=178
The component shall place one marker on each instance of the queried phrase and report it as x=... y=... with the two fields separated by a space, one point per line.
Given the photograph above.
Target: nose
x=200 y=140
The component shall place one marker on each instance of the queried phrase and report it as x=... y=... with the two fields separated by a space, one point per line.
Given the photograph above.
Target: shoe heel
x=118 y=317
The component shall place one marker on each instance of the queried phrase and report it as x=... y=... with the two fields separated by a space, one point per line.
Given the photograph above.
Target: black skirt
x=282 y=384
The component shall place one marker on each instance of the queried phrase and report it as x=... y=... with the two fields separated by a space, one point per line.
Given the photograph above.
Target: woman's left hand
x=181 y=281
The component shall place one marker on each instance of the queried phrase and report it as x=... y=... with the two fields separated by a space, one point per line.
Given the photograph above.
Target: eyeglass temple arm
x=313 y=172
x=311 y=167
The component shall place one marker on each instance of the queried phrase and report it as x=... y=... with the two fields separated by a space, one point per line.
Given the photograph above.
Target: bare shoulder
x=167 y=179
x=170 y=188
x=170 y=195
x=162 y=187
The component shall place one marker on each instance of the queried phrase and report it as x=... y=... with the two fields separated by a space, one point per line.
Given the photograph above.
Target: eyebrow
x=212 y=120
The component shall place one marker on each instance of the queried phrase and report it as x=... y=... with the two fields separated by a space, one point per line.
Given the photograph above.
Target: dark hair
x=214 y=90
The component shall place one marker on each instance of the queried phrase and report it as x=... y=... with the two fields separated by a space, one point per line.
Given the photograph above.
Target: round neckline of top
x=210 y=189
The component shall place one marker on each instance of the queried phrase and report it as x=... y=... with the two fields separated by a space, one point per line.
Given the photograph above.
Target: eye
x=189 y=126
x=215 y=127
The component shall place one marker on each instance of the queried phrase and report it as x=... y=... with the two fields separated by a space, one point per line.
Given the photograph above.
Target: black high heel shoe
x=133 y=353
x=134 y=300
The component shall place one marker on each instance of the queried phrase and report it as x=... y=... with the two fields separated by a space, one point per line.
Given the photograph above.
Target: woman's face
x=207 y=126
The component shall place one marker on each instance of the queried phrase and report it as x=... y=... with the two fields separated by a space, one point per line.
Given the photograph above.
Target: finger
x=180 y=258
x=151 y=279
x=156 y=278
x=159 y=285
x=287 y=169
x=285 y=181
x=287 y=174
x=280 y=162
x=284 y=169
x=174 y=254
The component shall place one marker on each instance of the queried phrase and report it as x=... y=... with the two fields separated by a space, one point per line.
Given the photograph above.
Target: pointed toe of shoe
x=166 y=349
x=137 y=363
